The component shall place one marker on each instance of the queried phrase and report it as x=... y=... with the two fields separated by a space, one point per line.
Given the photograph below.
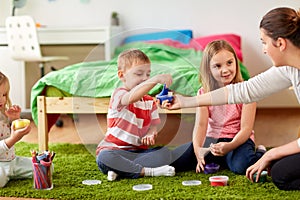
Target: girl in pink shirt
x=226 y=128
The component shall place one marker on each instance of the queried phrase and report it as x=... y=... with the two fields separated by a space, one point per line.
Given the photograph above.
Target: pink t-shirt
x=224 y=120
x=126 y=125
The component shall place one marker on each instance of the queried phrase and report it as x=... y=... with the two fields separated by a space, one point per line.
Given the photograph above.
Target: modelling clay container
x=218 y=180
x=165 y=95
x=262 y=178
x=20 y=123
x=211 y=168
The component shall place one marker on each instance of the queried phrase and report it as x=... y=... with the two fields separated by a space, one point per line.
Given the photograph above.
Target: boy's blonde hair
x=4 y=81
x=132 y=57
x=205 y=77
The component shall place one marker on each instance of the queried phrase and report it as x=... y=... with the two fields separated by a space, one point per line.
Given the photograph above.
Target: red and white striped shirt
x=126 y=125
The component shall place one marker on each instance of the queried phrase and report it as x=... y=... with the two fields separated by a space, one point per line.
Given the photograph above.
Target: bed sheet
x=99 y=79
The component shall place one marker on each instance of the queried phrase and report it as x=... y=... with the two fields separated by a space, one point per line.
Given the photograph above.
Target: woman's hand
x=263 y=163
x=13 y=112
x=173 y=105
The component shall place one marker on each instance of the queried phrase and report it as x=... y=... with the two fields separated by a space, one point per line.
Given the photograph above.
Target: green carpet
x=74 y=163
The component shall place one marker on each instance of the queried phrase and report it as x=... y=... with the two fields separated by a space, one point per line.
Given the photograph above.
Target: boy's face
x=135 y=75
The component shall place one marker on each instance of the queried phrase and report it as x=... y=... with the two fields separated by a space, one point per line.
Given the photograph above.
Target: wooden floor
x=273 y=127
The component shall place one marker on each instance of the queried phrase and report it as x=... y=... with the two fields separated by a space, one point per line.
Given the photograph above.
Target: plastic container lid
x=191 y=182
x=142 y=187
x=91 y=182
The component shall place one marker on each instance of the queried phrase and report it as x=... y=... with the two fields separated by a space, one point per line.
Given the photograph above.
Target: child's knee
x=103 y=160
x=3 y=178
x=238 y=169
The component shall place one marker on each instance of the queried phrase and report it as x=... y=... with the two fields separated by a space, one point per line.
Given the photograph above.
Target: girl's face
x=223 y=67
x=270 y=49
x=135 y=75
x=3 y=96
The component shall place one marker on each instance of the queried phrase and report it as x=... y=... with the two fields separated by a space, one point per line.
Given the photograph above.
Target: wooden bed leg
x=42 y=124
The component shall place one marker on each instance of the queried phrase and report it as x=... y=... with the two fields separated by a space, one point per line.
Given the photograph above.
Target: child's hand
x=149 y=139
x=163 y=79
x=220 y=149
x=18 y=134
x=13 y=112
x=201 y=153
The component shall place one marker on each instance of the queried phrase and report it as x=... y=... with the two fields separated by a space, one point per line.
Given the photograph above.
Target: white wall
x=203 y=17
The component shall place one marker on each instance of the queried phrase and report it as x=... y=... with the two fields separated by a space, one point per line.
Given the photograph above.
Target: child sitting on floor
x=11 y=166
x=132 y=123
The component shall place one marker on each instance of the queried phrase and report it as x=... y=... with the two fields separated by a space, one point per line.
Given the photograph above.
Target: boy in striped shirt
x=132 y=121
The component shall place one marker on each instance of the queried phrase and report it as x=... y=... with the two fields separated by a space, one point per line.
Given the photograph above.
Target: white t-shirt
x=6 y=154
x=271 y=81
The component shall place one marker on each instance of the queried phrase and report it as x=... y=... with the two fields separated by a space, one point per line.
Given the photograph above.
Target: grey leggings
x=129 y=164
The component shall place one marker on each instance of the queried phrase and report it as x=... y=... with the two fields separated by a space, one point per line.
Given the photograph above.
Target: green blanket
x=99 y=79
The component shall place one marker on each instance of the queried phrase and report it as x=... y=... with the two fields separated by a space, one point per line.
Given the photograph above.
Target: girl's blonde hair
x=131 y=57
x=205 y=77
x=4 y=81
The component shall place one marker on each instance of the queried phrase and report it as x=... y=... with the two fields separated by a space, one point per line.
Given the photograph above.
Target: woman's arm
x=216 y=97
x=271 y=81
x=263 y=85
x=273 y=154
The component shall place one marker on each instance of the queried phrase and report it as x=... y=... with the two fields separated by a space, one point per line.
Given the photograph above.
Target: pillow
x=233 y=39
x=183 y=36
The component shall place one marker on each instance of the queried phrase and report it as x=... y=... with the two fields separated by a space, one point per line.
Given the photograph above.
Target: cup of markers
x=42 y=169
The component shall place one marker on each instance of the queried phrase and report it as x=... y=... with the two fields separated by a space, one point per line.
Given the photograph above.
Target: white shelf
x=76 y=36
x=55 y=36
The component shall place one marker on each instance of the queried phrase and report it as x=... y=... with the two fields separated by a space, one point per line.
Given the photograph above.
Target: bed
x=86 y=87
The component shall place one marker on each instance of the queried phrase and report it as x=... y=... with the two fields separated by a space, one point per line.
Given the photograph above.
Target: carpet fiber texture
x=75 y=163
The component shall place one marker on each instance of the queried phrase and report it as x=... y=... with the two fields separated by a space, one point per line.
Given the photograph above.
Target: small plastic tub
x=262 y=178
x=218 y=180
x=211 y=168
x=20 y=123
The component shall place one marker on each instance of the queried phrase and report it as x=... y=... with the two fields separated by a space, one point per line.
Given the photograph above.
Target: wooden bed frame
x=75 y=105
